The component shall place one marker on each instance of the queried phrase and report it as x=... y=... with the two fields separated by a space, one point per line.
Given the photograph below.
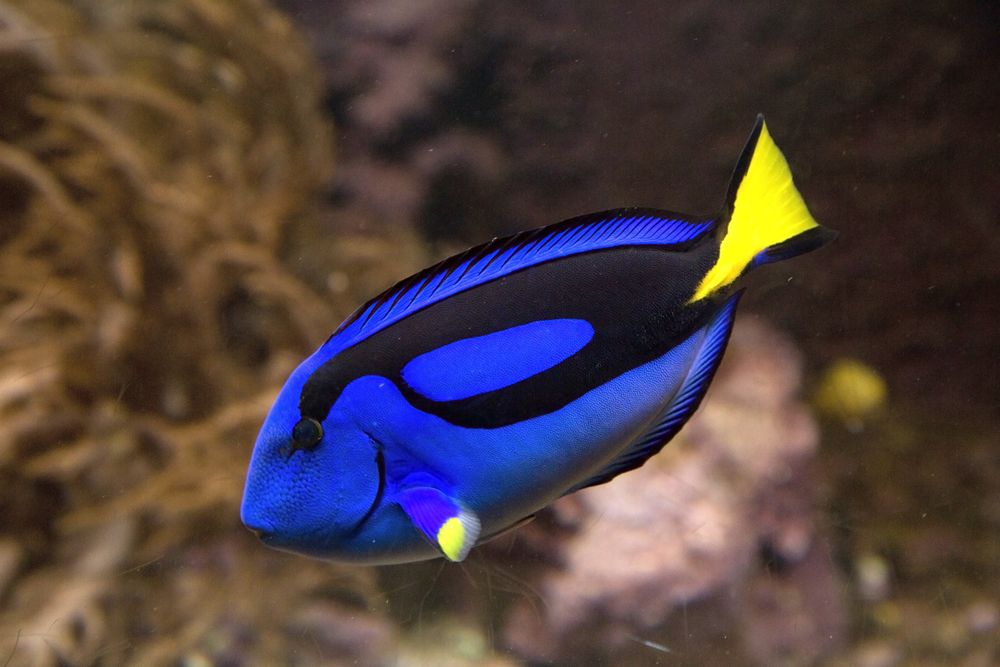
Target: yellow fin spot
x=451 y=538
x=766 y=211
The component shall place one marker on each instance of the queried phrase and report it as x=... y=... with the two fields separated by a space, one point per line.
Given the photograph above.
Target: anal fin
x=450 y=527
x=684 y=402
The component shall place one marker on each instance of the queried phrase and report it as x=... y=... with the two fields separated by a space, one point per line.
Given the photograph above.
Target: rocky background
x=194 y=194
x=468 y=119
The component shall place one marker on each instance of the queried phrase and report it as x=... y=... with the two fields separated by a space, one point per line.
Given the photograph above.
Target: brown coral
x=153 y=157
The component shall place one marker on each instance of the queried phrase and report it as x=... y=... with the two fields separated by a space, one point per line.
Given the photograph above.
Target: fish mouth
x=262 y=529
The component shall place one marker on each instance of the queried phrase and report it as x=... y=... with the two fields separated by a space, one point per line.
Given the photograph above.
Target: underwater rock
x=873 y=577
x=692 y=521
x=351 y=636
x=417 y=107
x=850 y=391
x=593 y=105
x=791 y=611
x=983 y=616
x=448 y=642
x=11 y=559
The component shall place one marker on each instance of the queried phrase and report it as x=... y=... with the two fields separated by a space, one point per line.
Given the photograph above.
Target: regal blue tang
x=474 y=393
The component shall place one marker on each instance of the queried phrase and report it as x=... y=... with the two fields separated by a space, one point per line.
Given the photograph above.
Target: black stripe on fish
x=499 y=257
x=634 y=297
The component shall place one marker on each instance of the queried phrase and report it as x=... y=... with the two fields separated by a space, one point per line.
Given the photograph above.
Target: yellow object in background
x=850 y=391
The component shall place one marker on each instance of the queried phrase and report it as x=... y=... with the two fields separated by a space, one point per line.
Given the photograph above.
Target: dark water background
x=193 y=194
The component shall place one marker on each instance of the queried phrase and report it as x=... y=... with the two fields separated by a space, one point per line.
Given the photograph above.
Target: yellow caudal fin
x=767 y=219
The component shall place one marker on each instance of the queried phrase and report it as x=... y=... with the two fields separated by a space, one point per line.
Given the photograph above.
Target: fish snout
x=257 y=525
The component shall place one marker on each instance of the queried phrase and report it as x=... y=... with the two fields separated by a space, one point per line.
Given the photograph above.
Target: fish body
x=470 y=395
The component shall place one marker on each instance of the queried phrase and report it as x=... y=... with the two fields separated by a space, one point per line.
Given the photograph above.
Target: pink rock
x=691 y=522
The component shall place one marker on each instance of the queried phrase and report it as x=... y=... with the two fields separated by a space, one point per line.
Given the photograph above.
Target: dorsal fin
x=499 y=257
x=682 y=405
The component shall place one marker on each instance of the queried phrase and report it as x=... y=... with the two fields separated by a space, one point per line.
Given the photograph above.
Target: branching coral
x=153 y=157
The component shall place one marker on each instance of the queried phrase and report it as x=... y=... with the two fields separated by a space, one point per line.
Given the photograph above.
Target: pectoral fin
x=450 y=527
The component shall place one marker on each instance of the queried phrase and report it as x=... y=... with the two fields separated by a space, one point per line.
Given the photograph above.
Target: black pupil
x=307 y=433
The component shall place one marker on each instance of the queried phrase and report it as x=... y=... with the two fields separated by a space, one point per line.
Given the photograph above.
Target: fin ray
x=597 y=231
x=685 y=401
x=763 y=210
x=509 y=529
x=453 y=529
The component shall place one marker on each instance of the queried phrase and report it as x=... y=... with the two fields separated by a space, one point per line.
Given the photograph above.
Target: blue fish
x=467 y=397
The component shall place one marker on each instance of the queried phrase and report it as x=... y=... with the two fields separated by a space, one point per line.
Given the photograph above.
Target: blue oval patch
x=474 y=366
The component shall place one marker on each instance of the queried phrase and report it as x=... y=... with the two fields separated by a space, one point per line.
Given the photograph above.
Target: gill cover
x=296 y=497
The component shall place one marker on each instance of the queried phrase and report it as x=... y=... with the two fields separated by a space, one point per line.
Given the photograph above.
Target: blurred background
x=194 y=193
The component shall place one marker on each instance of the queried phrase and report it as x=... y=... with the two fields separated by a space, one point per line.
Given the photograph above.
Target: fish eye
x=307 y=433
